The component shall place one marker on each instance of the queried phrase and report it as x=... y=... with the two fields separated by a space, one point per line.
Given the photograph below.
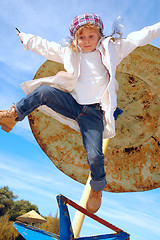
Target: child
x=84 y=97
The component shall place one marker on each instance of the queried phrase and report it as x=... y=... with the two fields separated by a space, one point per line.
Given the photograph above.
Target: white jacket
x=112 y=54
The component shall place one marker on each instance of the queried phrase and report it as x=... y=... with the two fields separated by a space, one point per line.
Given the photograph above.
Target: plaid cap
x=83 y=19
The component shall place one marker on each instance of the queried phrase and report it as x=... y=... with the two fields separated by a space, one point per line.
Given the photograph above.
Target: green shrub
x=7 y=231
x=52 y=225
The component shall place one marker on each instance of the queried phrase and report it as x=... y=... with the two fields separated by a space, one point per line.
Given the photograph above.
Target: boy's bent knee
x=45 y=92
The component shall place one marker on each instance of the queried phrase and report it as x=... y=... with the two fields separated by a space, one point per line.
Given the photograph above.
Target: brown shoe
x=8 y=119
x=94 y=201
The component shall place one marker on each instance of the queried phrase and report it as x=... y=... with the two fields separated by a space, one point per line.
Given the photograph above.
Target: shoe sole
x=5 y=128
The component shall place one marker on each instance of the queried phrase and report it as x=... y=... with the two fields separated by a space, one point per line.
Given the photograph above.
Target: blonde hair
x=74 y=44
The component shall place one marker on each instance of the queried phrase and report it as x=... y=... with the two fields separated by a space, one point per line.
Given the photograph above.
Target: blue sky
x=24 y=167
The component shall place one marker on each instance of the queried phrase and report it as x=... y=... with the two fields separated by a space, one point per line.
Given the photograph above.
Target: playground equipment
x=66 y=233
x=133 y=155
x=132 y=162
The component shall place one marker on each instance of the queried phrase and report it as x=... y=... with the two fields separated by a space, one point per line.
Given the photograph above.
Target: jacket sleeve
x=50 y=50
x=135 y=39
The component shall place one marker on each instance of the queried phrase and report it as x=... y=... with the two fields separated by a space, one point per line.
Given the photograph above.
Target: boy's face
x=88 y=39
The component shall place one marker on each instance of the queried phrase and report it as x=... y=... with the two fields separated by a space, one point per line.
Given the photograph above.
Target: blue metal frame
x=66 y=233
x=65 y=222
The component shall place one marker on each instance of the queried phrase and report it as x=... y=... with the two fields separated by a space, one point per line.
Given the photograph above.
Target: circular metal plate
x=133 y=157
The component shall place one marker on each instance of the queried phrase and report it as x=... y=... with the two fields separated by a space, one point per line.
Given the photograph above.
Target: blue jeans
x=88 y=117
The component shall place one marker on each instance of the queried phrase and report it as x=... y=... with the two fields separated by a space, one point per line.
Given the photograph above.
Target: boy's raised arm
x=50 y=50
x=136 y=39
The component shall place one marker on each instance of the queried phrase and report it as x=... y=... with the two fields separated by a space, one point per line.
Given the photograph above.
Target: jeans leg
x=91 y=126
x=59 y=101
x=89 y=118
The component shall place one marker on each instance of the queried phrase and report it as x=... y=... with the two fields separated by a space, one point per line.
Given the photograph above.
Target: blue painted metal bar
x=114 y=236
x=33 y=233
x=65 y=223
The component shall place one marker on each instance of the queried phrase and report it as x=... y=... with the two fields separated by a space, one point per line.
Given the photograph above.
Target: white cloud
x=24 y=175
x=136 y=218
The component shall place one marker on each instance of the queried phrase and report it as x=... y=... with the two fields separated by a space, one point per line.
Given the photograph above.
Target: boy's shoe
x=94 y=201
x=8 y=119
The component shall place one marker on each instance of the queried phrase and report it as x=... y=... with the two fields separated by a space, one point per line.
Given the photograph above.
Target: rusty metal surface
x=133 y=157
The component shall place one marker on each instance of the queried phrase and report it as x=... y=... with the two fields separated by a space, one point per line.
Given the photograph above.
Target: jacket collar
x=101 y=41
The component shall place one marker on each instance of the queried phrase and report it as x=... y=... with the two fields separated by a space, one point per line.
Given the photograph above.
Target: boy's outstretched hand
x=19 y=38
x=18 y=34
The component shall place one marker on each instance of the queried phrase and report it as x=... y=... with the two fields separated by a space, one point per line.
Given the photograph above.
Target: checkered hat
x=83 y=19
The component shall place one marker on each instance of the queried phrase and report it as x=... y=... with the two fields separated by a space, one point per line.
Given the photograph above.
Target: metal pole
x=79 y=217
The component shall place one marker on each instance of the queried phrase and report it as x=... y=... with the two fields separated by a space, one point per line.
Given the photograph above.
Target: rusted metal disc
x=133 y=157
